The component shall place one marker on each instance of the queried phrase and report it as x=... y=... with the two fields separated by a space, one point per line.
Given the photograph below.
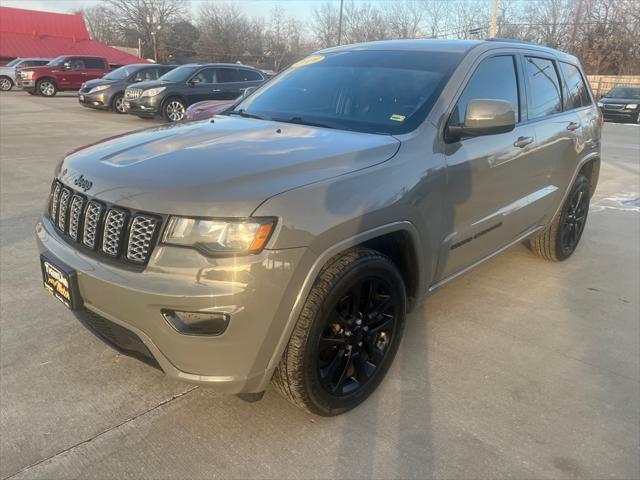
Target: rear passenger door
x=492 y=179
x=230 y=84
x=556 y=129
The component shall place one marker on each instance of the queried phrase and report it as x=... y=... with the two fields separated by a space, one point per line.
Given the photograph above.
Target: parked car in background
x=621 y=103
x=8 y=71
x=288 y=240
x=107 y=93
x=209 y=108
x=67 y=72
x=172 y=93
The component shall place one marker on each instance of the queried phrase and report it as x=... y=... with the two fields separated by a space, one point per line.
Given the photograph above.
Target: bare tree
x=225 y=32
x=364 y=23
x=101 y=25
x=324 y=25
x=404 y=18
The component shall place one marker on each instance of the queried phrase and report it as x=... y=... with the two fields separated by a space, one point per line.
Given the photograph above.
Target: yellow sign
x=397 y=118
x=308 y=61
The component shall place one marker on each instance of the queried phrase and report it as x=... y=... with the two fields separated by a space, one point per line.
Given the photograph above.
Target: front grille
x=132 y=93
x=613 y=106
x=108 y=229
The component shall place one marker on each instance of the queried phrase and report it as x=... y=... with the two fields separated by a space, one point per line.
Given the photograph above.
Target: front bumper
x=26 y=84
x=99 y=100
x=144 y=106
x=258 y=292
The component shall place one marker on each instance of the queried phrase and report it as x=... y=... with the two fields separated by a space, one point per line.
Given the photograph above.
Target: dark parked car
x=621 y=103
x=67 y=72
x=107 y=93
x=170 y=95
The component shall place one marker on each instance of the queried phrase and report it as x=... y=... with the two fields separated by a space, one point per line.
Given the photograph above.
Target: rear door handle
x=522 y=142
x=573 y=126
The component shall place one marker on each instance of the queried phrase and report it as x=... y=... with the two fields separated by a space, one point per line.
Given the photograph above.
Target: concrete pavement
x=518 y=369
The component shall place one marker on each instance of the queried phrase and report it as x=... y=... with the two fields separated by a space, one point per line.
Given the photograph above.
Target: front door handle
x=522 y=142
x=216 y=90
x=573 y=126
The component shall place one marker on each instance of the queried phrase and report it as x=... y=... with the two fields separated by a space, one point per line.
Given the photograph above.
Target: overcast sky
x=298 y=8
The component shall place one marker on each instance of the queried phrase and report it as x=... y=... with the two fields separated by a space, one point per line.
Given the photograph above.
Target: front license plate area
x=60 y=281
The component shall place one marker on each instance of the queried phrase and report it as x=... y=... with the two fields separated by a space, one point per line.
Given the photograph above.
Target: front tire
x=560 y=238
x=117 y=104
x=6 y=84
x=346 y=336
x=174 y=110
x=33 y=92
x=46 y=88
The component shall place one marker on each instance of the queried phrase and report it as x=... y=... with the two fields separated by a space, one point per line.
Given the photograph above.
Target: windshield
x=179 y=74
x=387 y=92
x=56 y=61
x=12 y=62
x=120 y=73
x=624 y=92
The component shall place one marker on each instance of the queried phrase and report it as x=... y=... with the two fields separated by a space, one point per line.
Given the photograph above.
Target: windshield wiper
x=302 y=121
x=244 y=114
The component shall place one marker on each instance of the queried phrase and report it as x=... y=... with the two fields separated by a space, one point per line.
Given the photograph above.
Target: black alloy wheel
x=574 y=219
x=359 y=330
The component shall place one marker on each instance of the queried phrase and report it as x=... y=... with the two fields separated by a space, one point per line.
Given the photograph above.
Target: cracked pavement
x=520 y=368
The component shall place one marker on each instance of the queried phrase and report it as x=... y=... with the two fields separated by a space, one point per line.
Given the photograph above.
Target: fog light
x=197 y=323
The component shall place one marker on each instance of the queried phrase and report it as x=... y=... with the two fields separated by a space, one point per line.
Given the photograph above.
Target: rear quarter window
x=575 y=88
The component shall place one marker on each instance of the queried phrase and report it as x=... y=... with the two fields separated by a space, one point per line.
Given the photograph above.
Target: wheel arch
x=113 y=98
x=591 y=170
x=47 y=77
x=8 y=78
x=172 y=96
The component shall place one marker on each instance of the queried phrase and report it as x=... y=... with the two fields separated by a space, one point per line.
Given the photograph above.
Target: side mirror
x=66 y=66
x=484 y=117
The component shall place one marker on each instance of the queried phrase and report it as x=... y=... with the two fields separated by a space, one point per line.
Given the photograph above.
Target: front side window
x=13 y=62
x=148 y=74
x=494 y=79
x=576 y=94
x=76 y=64
x=207 y=75
x=383 y=92
x=544 y=97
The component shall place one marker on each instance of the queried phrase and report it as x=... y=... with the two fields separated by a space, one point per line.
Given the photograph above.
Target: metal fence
x=601 y=84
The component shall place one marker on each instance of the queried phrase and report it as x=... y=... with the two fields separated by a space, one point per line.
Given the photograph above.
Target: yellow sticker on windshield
x=308 y=61
x=397 y=118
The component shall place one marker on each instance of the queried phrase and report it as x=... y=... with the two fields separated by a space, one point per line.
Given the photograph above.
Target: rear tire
x=46 y=88
x=6 y=84
x=560 y=238
x=346 y=336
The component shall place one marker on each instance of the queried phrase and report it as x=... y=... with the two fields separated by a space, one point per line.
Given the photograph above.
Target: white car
x=8 y=71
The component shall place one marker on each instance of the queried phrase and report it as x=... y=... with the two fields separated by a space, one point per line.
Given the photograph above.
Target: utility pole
x=154 y=29
x=494 y=19
x=340 y=23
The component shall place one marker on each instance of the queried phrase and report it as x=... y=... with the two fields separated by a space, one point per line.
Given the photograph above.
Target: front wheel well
x=7 y=77
x=400 y=248
x=50 y=79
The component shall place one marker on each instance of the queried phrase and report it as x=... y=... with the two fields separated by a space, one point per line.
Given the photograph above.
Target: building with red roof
x=30 y=33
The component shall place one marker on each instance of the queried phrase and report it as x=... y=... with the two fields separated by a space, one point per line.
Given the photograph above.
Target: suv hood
x=221 y=169
x=619 y=100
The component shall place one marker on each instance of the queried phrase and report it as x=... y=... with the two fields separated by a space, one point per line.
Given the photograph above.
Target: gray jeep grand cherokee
x=287 y=241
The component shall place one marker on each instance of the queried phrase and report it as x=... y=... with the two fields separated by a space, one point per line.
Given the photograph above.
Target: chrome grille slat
x=113 y=229
x=140 y=238
x=132 y=93
x=109 y=229
x=62 y=209
x=92 y=219
x=75 y=215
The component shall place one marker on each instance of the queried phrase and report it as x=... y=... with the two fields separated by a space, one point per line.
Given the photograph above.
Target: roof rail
x=511 y=40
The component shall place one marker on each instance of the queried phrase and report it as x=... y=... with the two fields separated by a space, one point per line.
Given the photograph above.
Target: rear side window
x=495 y=79
x=94 y=63
x=544 y=96
x=229 y=75
x=249 y=75
x=576 y=94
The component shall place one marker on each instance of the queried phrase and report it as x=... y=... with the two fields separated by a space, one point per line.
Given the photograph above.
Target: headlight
x=99 y=88
x=632 y=105
x=152 y=92
x=600 y=104
x=27 y=73
x=218 y=236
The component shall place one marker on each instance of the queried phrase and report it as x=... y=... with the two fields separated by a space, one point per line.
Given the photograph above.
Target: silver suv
x=287 y=240
x=9 y=71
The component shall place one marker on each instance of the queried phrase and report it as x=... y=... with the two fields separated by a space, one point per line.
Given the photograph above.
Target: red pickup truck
x=68 y=72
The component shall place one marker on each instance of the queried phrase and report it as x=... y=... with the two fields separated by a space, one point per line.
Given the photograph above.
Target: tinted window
x=228 y=75
x=40 y=62
x=575 y=90
x=495 y=78
x=381 y=92
x=544 y=96
x=119 y=73
x=94 y=63
x=76 y=64
x=179 y=74
x=249 y=75
x=147 y=74
x=206 y=75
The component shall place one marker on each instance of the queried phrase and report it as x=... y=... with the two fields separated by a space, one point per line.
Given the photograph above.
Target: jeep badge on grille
x=83 y=183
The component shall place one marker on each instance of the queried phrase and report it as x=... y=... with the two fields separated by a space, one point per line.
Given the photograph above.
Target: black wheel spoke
x=328 y=373
x=356 y=298
x=326 y=342
x=382 y=324
x=364 y=368
x=344 y=371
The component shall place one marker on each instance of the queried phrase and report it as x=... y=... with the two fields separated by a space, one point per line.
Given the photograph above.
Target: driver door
x=202 y=85
x=492 y=179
